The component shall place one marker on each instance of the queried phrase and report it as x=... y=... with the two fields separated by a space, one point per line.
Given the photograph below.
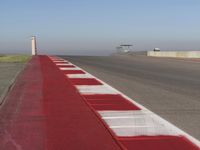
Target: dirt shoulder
x=10 y=67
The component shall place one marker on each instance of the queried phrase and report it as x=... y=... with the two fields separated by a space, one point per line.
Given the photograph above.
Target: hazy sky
x=98 y=26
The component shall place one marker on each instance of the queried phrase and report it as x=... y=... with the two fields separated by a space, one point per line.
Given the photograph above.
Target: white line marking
x=114 y=127
x=71 y=68
x=82 y=76
x=120 y=117
x=59 y=61
x=66 y=64
x=95 y=89
x=136 y=123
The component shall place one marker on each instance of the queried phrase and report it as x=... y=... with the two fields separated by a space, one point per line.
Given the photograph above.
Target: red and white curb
x=127 y=120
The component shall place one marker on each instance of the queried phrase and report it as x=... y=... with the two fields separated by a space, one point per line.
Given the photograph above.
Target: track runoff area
x=132 y=125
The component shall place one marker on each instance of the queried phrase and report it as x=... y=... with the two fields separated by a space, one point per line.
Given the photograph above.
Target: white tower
x=34 y=46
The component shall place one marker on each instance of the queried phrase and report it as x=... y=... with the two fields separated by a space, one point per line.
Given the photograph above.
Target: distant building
x=126 y=47
x=119 y=49
x=156 y=49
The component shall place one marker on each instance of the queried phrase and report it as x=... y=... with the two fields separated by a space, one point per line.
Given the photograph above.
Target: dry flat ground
x=168 y=87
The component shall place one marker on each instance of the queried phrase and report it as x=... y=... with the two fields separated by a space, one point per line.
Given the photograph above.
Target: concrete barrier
x=179 y=54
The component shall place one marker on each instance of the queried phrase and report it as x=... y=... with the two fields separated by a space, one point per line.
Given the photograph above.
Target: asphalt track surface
x=168 y=87
x=47 y=109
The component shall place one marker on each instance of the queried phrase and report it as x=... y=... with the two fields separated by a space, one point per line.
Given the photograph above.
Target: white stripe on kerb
x=55 y=59
x=71 y=68
x=59 y=61
x=130 y=127
x=128 y=117
x=136 y=123
x=66 y=64
x=95 y=89
x=82 y=76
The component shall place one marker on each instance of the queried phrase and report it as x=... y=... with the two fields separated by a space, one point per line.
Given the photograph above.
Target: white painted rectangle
x=63 y=64
x=95 y=89
x=82 y=76
x=59 y=61
x=136 y=123
x=71 y=68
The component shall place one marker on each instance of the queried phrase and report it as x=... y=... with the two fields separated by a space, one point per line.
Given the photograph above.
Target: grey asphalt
x=8 y=73
x=168 y=87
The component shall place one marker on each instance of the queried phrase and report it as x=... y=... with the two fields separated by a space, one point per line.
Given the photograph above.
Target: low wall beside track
x=179 y=54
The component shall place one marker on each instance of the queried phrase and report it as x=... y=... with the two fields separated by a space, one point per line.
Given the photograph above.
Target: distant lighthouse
x=34 y=46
